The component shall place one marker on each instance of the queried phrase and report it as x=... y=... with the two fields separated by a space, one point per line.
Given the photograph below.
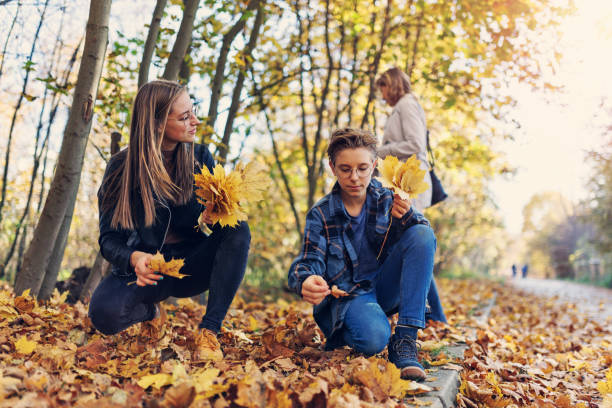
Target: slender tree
x=149 y=47
x=219 y=77
x=40 y=146
x=183 y=39
x=64 y=186
x=8 y=37
x=28 y=69
x=101 y=265
x=247 y=60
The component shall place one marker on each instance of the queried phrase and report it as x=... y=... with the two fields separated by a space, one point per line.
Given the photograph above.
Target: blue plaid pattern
x=327 y=249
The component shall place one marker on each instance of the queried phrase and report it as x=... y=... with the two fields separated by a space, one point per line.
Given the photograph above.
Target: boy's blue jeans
x=404 y=282
x=216 y=263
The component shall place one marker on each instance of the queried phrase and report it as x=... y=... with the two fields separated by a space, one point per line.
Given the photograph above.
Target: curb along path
x=446 y=385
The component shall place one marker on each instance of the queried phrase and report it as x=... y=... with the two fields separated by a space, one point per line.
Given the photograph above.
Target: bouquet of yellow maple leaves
x=224 y=194
x=404 y=178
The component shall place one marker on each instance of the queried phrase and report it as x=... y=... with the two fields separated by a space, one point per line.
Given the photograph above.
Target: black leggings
x=216 y=263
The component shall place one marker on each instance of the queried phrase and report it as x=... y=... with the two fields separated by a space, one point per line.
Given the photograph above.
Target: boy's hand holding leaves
x=406 y=179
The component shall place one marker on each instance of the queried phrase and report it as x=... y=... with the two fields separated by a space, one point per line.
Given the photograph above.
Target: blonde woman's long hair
x=142 y=175
x=397 y=81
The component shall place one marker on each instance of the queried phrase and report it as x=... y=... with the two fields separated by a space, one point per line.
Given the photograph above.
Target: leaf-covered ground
x=531 y=352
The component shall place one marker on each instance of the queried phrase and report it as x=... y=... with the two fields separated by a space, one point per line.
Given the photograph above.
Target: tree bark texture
x=39 y=149
x=100 y=266
x=70 y=162
x=149 y=46
x=248 y=51
x=99 y=270
x=183 y=39
x=55 y=260
x=217 y=82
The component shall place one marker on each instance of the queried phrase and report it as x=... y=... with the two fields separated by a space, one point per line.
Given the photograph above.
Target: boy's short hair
x=348 y=138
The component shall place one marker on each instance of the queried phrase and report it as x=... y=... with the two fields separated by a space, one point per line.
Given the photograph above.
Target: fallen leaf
x=336 y=292
x=25 y=346
x=169 y=268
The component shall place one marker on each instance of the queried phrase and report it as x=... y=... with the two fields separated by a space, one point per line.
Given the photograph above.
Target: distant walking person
x=514 y=270
x=524 y=270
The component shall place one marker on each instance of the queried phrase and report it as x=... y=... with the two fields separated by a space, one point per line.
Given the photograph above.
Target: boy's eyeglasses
x=347 y=172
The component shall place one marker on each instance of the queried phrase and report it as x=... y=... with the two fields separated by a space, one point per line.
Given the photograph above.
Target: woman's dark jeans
x=216 y=263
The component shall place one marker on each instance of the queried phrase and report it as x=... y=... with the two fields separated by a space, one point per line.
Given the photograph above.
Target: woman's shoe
x=155 y=328
x=207 y=346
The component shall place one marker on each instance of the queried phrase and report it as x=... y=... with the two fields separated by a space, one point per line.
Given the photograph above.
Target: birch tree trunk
x=70 y=162
x=149 y=47
x=183 y=39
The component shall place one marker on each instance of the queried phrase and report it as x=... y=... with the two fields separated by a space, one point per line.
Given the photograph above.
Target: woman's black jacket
x=116 y=245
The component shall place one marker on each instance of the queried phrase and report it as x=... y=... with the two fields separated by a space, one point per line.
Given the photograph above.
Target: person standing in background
x=406 y=135
x=406 y=128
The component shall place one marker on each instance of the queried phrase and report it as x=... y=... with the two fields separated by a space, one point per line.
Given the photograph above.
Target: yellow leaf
x=8 y=312
x=170 y=268
x=57 y=298
x=605 y=387
x=384 y=380
x=406 y=179
x=225 y=194
x=337 y=292
x=253 y=324
x=25 y=346
x=155 y=380
x=204 y=379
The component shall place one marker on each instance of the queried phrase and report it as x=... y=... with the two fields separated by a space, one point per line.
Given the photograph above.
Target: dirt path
x=594 y=301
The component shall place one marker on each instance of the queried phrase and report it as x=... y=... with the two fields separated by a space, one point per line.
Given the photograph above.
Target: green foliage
x=313 y=70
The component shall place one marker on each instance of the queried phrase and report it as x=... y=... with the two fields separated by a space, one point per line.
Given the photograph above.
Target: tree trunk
x=217 y=81
x=279 y=164
x=55 y=260
x=149 y=47
x=373 y=68
x=100 y=267
x=185 y=71
x=7 y=155
x=229 y=124
x=21 y=225
x=183 y=39
x=70 y=162
x=99 y=270
x=8 y=37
